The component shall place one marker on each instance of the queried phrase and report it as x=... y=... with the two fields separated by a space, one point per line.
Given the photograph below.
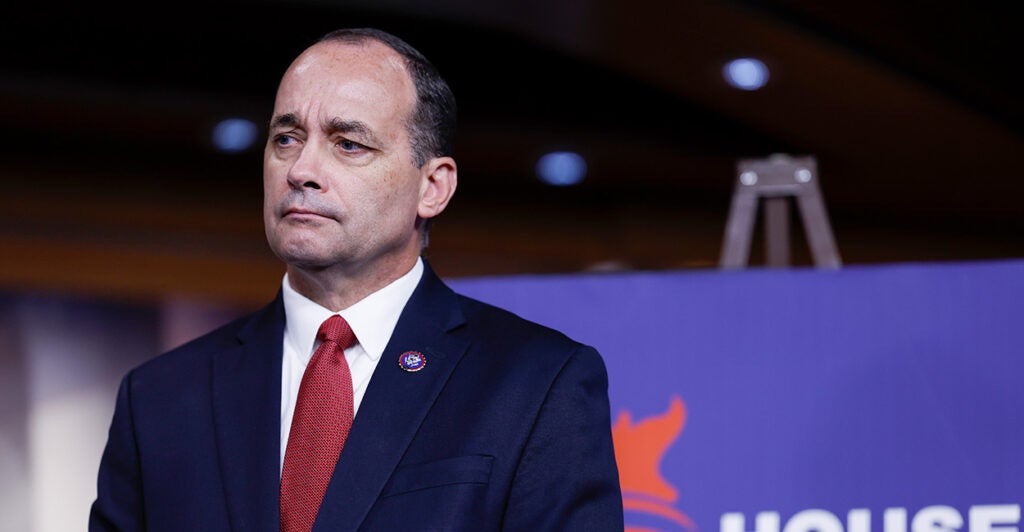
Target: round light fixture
x=234 y=135
x=746 y=73
x=561 y=168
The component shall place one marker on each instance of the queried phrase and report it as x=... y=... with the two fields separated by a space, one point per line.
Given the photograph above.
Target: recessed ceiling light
x=561 y=168
x=746 y=73
x=234 y=135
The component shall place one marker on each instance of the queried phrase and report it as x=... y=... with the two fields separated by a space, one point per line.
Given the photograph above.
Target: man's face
x=340 y=186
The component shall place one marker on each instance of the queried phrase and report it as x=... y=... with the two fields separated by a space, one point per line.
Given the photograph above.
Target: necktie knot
x=336 y=329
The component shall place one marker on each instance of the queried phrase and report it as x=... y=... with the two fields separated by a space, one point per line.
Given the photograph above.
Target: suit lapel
x=246 y=407
x=395 y=404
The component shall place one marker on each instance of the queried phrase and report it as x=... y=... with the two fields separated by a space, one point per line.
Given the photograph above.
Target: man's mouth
x=303 y=213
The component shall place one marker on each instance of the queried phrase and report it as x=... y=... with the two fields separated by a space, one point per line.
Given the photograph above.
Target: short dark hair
x=432 y=123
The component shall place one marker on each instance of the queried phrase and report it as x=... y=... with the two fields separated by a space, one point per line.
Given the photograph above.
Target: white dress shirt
x=372 y=319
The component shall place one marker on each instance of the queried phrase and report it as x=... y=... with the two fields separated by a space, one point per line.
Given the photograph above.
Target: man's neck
x=337 y=290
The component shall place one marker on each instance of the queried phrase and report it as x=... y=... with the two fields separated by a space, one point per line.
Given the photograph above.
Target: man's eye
x=284 y=140
x=348 y=145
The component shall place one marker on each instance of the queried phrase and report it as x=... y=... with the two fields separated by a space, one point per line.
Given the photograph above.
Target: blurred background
x=116 y=183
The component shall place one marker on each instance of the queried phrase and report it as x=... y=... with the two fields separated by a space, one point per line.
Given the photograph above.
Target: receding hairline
x=391 y=55
x=389 y=52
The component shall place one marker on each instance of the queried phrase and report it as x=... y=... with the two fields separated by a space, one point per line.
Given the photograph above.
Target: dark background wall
x=111 y=185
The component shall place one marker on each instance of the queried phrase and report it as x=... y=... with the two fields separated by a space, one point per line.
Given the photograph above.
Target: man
x=417 y=409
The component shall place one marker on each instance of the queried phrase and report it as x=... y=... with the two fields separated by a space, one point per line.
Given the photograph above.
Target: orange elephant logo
x=639 y=448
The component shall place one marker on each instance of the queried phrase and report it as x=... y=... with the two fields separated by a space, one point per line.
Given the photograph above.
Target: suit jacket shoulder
x=202 y=349
x=509 y=331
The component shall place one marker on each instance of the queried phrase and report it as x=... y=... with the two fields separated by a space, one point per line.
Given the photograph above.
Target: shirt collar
x=372 y=319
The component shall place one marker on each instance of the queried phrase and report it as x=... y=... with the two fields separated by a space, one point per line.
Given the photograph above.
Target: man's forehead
x=369 y=71
x=370 y=58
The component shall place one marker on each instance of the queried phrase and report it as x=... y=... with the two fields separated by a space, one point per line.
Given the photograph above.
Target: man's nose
x=305 y=171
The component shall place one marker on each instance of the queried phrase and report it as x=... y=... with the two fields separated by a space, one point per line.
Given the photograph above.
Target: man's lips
x=303 y=213
x=308 y=209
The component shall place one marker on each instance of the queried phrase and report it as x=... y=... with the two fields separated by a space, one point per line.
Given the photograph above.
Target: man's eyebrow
x=285 y=120
x=352 y=127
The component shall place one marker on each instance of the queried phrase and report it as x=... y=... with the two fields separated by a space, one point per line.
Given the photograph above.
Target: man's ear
x=439 y=178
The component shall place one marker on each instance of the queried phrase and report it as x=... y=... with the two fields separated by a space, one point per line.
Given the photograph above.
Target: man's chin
x=302 y=256
x=311 y=263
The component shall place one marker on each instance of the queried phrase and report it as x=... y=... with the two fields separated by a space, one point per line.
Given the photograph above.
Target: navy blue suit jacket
x=506 y=427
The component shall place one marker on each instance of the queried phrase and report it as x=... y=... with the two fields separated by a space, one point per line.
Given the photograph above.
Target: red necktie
x=323 y=417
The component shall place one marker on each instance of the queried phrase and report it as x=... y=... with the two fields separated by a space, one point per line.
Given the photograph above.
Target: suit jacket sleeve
x=118 y=504
x=567 y=478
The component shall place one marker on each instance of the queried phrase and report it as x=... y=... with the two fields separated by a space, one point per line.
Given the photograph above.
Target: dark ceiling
x=912 y=110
